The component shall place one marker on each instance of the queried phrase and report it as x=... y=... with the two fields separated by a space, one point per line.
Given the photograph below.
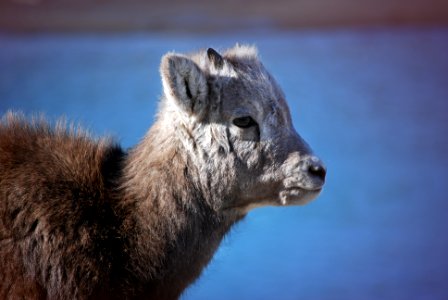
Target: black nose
x=318 y=170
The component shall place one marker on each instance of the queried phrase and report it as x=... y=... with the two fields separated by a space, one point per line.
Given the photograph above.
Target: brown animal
x=82 y=219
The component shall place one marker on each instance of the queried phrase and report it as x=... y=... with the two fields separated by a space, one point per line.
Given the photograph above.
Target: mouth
x=286 y=196
x=298 y=195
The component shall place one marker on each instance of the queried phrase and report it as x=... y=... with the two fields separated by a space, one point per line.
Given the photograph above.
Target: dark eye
x=244 y=122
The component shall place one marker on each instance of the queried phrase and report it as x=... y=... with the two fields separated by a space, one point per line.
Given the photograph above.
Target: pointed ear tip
x=215 y=58
x=168 y=56
x=172 y=60
x=212 y=53
x=164 y=61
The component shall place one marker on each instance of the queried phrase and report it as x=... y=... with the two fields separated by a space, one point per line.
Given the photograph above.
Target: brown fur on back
x=58 y=230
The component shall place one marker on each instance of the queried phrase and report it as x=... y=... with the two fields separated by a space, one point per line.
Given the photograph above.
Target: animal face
x=234 y=123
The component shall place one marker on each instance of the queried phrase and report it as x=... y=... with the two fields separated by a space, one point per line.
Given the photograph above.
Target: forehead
x=251 y=89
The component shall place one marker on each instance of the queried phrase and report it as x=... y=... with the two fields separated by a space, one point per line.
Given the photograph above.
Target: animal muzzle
x=307 y=173
x=314 y=171
x=303 y=180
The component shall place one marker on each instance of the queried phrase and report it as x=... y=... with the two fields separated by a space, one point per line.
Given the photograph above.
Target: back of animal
x=51 y=229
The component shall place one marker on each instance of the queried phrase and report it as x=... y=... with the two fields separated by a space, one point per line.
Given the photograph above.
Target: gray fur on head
x=204 y=93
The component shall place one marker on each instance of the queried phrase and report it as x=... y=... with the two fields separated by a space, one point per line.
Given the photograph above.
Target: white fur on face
x=266 y=164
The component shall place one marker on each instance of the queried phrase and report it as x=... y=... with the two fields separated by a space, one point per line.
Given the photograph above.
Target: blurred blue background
x=372 y=101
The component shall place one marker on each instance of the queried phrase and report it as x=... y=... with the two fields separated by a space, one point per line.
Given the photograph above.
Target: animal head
x=234 y=124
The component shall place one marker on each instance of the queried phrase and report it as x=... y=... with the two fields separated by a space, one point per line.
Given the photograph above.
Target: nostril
x=318 y=171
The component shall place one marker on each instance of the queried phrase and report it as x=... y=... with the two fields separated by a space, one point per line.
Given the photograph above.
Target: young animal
x=82 y=219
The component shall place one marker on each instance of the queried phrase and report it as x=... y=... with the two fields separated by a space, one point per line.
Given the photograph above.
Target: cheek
x=213 y=140
x=249 y=155
x=251 y=134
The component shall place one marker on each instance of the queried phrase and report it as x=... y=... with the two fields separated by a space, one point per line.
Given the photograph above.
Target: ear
x=184 y=83
x=215 y=58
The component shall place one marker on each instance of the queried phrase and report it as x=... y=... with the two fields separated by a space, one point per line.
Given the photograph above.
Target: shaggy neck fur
x=176 y=230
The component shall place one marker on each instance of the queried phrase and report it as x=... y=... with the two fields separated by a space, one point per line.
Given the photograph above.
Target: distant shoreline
x=212 y=16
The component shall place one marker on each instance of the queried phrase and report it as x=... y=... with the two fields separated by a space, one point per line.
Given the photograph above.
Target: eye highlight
x=244 y=122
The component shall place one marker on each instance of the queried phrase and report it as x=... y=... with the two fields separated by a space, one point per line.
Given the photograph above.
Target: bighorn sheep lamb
x=83 y=219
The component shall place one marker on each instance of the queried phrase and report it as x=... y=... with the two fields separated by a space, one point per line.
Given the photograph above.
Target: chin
x=297 y=196
x=288 y=197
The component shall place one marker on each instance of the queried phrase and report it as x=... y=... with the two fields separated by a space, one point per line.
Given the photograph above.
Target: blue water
x=373 y=103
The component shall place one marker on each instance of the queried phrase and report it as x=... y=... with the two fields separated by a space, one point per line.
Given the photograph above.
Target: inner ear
x=187 y=90
x=184 y=83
